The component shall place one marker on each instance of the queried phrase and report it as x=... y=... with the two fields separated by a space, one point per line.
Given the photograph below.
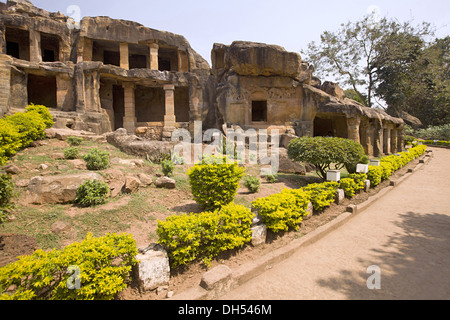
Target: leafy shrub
x=394 y=161
x=360 y=180
x=214 y=184
x=92 y=193
x=6 y=195
x=253 y=184
x=97 y=159
x=192 y=237
x=322 y=195
x=349 y=186
x=71 y=153
x=271 y=178
x=104 y=265
x=323 y=152
x=74 y=141
x=10 y=141
x=283 y=211
x=30 y=126
x=387 y=170
x=434 y=133
x=375 y=175
x=43 y=112
x=167 y=167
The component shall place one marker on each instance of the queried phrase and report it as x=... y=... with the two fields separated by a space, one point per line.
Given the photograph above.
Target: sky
x=291 y=24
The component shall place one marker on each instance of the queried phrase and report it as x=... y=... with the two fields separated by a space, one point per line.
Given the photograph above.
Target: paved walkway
x=406 y=234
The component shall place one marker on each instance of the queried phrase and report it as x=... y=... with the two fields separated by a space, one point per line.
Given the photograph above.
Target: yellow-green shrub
x=349 y=186
x=191 y=237
x=394 y=160
x=214 y=183
x=43 y=112
x=30 y=126
x=322 y=195
x=375 y=175
x=104 y=266
x=10 y=141
x=283 y=211
x=387 y=170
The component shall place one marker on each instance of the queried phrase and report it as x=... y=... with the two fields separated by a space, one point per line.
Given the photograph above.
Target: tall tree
x=352 y=54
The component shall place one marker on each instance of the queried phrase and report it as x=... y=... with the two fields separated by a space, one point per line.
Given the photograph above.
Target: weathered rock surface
x=153 y=270
x=58 y=189
x=133 y=145
x=287 y=165
x=165 y=182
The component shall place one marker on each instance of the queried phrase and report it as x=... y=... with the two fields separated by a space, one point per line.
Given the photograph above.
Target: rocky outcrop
x=58 y=189
x=133 y=145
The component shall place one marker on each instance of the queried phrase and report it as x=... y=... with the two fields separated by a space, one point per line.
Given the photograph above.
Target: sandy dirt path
x=406 y=234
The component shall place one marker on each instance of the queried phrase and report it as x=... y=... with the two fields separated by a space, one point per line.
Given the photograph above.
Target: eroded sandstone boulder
x=58 y=189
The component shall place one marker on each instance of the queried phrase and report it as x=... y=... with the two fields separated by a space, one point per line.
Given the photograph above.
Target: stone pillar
x=124 y=56
x=64 y=92
x=154 y=48
x=378 y=139
x=353 y=129
x=387 y=141
x=169 y=117
x=35 y=46
x=394 y=141
x=400 y=139
x=129 y=120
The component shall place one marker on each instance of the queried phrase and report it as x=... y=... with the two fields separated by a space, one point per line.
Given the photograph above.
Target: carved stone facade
x=103 y=74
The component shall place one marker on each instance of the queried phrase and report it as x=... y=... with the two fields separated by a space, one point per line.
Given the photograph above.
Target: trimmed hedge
x=192 y=237
x=322 y=195
x=104 y=265
x=21 y=129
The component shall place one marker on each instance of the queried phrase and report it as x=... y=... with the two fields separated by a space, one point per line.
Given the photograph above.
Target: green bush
x=71 y=153
x=6 y=195
x=375 y=175
x=322 y=195
x=253 y=184
x=323 y=152
x=394 y=161
x=74 y=141
x=167 y=167
x=104 y=265
x=271 y=178
x=43 y=112
x=283 y=211
x=10 y=141
x=360 y=180
x=214 y=183
x=349 y=186
x=92 y=193
x=192 y=237
x=30 y=126
x=97 y=159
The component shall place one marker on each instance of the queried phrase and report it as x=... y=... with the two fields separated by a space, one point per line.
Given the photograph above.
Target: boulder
x=165 y=182
x=153 y=269
x=333 y=89
x=285 y=139
x=259 y=235
x=132 y=184
x=145 y=179
x=11 y=169
x=58 y=189
x=136 y=146
x=116 y=187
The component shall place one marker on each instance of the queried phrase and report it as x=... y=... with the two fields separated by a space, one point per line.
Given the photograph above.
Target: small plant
x=167 y=167
x=375 y=175
x=97 y=159
x=6 y=195
x=74 y=141
x=322 y=194
x=253 y=184
x=92 y=193
x=71 y=153
x=271 y=178
x=349 y=186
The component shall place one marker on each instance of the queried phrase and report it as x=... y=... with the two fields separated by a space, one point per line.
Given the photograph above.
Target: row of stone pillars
x=129 y=120
x=377 y=139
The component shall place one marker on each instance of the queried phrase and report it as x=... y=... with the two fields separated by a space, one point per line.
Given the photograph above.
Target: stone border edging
x=254 y=268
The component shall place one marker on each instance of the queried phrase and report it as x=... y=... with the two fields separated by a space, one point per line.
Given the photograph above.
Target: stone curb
x=256 y=267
